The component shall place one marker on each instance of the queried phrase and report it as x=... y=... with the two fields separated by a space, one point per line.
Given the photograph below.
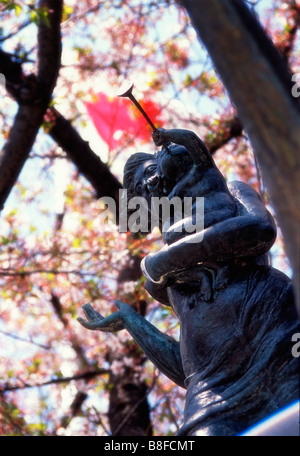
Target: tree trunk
x=129 y=412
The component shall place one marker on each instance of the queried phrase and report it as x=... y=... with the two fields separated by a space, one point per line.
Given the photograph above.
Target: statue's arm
x=160 y=348
x=195 y=146
x=251 y=233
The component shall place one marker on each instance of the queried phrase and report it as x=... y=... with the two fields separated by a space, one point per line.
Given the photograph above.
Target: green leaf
x=67 y=11
x=76 y=243
x=37 y=428
x=10 y=5
x=41 y=14
x=5 y=240
x=18 y=9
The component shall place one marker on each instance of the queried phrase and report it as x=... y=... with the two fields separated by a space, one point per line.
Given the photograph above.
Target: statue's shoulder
x=242 y=191
x=249 y=202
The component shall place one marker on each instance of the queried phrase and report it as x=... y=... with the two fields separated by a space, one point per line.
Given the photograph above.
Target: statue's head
x=156 y=174
x=173 y=162
x=138 y=169
x=148 y=175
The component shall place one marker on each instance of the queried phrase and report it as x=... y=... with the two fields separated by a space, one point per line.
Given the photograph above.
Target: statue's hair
x=133 y=162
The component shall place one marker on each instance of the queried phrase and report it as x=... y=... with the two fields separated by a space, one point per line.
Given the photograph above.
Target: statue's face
x=141 y=179
x=158 y=176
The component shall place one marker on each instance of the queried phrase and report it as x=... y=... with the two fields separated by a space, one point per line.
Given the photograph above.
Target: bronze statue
x=237 y=314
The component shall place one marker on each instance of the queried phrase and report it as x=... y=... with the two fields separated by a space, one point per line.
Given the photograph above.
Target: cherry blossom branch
x=230 y=129
x=233 y=129
x=83 y=376
x=99 y=421
x=12 y=273
x=286 y=48
x=17 y=30
x=173 y=418
x=23 y=339
x=76 y=345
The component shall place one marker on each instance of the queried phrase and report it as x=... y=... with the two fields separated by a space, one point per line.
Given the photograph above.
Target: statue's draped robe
x=236 y=351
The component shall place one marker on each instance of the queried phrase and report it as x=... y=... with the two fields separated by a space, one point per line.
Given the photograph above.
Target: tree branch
x=17 y=30
x=75 y=408
x=76 y=345
x=34 y=97
x=23 y=339
x=65 y=135
x=231 y=129
x=49 y=46
x=286 y=48
x=83 y=376
x=87 y=162
x=13 y=273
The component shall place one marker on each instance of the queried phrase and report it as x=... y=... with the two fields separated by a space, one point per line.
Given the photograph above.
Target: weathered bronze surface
x=237 y=314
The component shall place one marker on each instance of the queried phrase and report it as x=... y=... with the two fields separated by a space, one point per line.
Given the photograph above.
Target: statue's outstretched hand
x=112 y=323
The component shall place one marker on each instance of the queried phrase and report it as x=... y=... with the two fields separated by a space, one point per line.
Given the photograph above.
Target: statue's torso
x=229 y=350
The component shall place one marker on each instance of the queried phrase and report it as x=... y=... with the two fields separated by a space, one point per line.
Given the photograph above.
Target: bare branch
x=15 y=31
x=83 y=376
x=34 y=97
x=76 y=345
x=49 y=46
x=24 y=273
x=233 y=129
x=87 y=162
x=22 y=339
x=66 y=136
x=75 y=408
